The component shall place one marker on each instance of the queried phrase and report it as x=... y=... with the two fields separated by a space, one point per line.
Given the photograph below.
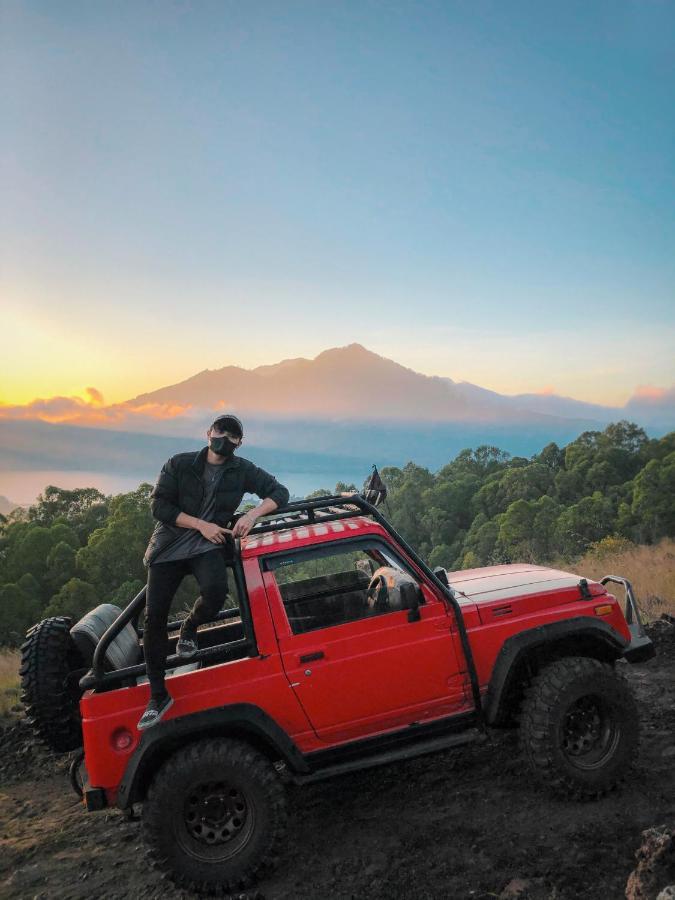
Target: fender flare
x=519 y=645
x=238 y=719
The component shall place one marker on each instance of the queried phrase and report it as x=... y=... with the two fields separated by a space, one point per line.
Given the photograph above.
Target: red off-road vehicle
x=345 y=651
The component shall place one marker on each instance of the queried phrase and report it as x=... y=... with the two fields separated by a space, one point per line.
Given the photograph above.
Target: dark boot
x=187 y=644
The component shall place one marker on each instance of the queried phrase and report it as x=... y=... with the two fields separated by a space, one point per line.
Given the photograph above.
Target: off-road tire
x=565 y=755
x=184 y=818
x=51 y=698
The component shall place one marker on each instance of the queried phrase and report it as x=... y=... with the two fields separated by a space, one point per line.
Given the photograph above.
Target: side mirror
x=442 y=575
x=411 y=598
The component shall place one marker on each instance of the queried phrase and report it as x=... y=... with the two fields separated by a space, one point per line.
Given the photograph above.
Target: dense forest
x=76 y=548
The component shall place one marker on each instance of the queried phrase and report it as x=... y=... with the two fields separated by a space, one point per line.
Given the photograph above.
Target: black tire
x=579 y=726
x=214 y=816
x=52 y=700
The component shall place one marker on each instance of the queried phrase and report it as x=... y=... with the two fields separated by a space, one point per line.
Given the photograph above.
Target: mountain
x=342 y=383
x=354 y=383
x=312 y=421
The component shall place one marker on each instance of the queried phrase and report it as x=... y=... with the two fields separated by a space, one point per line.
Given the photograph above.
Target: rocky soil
x=463 y=824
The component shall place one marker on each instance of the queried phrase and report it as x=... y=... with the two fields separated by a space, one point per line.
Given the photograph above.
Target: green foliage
x=75 y=598
x=654 y=499
x=485 y=507
x=114 y=552
x=84 y=509
x=75 y=549
x=19 y=609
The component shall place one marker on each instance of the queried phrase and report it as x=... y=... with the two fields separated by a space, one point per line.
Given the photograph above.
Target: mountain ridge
x=354 y=382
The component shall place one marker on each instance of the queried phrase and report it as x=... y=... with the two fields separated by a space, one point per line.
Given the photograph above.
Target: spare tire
x=50 y=694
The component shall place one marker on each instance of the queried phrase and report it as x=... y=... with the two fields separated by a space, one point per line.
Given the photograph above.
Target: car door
x=358 y=673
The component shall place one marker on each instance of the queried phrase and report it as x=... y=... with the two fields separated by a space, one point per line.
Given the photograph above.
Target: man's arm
x=243 y=525
x=164 y=496
x=209 y=530
x=273 y=495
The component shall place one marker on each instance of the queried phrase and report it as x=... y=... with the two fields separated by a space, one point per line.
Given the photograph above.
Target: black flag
x=375 y=489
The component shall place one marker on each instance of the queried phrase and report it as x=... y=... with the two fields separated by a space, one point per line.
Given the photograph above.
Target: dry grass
x=9 y=680
x=651 y=570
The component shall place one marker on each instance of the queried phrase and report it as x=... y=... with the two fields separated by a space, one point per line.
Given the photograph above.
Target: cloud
x=90 y=410
x=651 y=395
x=547 y=391
x=95 y=396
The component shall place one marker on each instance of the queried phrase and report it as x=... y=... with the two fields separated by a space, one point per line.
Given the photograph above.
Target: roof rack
x=319 y=509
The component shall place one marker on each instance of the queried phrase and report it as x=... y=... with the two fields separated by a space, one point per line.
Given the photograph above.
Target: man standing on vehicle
x=195 y=496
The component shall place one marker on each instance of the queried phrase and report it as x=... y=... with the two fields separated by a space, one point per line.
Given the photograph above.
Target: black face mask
x=222 y=446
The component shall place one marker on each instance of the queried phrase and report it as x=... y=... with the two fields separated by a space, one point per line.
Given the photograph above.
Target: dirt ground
x=462 y=824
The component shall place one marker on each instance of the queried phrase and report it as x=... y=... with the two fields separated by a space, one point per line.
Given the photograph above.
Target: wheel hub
x=582 y=727
x=590 y=732
x=215 y=812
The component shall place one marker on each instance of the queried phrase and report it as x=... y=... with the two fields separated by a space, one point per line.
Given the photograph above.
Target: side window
x=334 y=585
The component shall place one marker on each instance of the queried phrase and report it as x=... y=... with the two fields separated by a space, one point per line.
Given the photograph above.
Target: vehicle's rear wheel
x=50 y=694
x=579 y=726
x=214 y=816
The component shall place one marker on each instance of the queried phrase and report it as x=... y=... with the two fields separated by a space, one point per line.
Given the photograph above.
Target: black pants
x=210 y=570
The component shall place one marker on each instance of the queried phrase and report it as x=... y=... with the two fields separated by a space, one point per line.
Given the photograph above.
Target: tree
x=126 y=592
x=552 y=457
x=60 y=566
x=82 y=508
x=75 y=599
x=654 y=499
x=114 y=553
x=546 y=512
x=18 y=611
x=516 y=532
x=584 y=523
x=29 y=553
x=482 y=539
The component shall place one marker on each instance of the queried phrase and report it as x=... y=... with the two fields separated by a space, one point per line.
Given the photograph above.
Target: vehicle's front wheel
x=579 y=726
x=214 y=816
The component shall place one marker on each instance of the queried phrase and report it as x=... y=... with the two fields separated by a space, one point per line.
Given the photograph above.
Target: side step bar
x=410 y=751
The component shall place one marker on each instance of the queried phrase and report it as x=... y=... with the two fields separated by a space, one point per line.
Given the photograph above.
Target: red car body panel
x=374 y=675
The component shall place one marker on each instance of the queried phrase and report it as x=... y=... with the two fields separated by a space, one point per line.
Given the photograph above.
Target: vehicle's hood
x=501 y=583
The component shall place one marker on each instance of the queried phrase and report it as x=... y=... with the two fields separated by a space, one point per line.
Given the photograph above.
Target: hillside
x=605 y=489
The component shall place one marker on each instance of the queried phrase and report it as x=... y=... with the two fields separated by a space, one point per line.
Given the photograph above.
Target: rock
x=655 y=870
x=525 y=889
x=668 y=893
x=517 y=887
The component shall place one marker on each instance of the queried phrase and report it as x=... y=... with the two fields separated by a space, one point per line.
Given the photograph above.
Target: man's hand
x=243 y=526
x=214 y=533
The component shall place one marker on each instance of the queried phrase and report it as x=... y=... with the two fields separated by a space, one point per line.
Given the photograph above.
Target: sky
x=481 y=190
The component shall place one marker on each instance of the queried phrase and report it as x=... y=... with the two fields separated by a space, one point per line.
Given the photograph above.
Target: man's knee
x=155 y=619
x=214 y=595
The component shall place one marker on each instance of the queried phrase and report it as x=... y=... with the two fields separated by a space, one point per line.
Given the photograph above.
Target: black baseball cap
x=228 y=423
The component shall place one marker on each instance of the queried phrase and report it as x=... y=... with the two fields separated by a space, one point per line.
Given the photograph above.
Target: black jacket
x=180 y=488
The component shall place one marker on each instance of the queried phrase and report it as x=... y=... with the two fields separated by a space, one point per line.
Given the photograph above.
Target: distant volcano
x=354 y=383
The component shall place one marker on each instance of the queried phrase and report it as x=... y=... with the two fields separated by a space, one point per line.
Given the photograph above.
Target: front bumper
x=641 y=647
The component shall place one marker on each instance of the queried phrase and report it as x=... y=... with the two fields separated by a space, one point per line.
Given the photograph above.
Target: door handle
x=310 y=657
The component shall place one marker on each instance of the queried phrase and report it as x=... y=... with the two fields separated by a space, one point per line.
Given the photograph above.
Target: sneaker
x=154 y=712
x=187 y=644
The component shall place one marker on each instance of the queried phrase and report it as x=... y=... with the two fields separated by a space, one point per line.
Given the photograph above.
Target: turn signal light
x=121 y=739
x=603 y=610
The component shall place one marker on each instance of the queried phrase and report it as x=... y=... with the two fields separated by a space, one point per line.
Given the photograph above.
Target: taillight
x=121 y=739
